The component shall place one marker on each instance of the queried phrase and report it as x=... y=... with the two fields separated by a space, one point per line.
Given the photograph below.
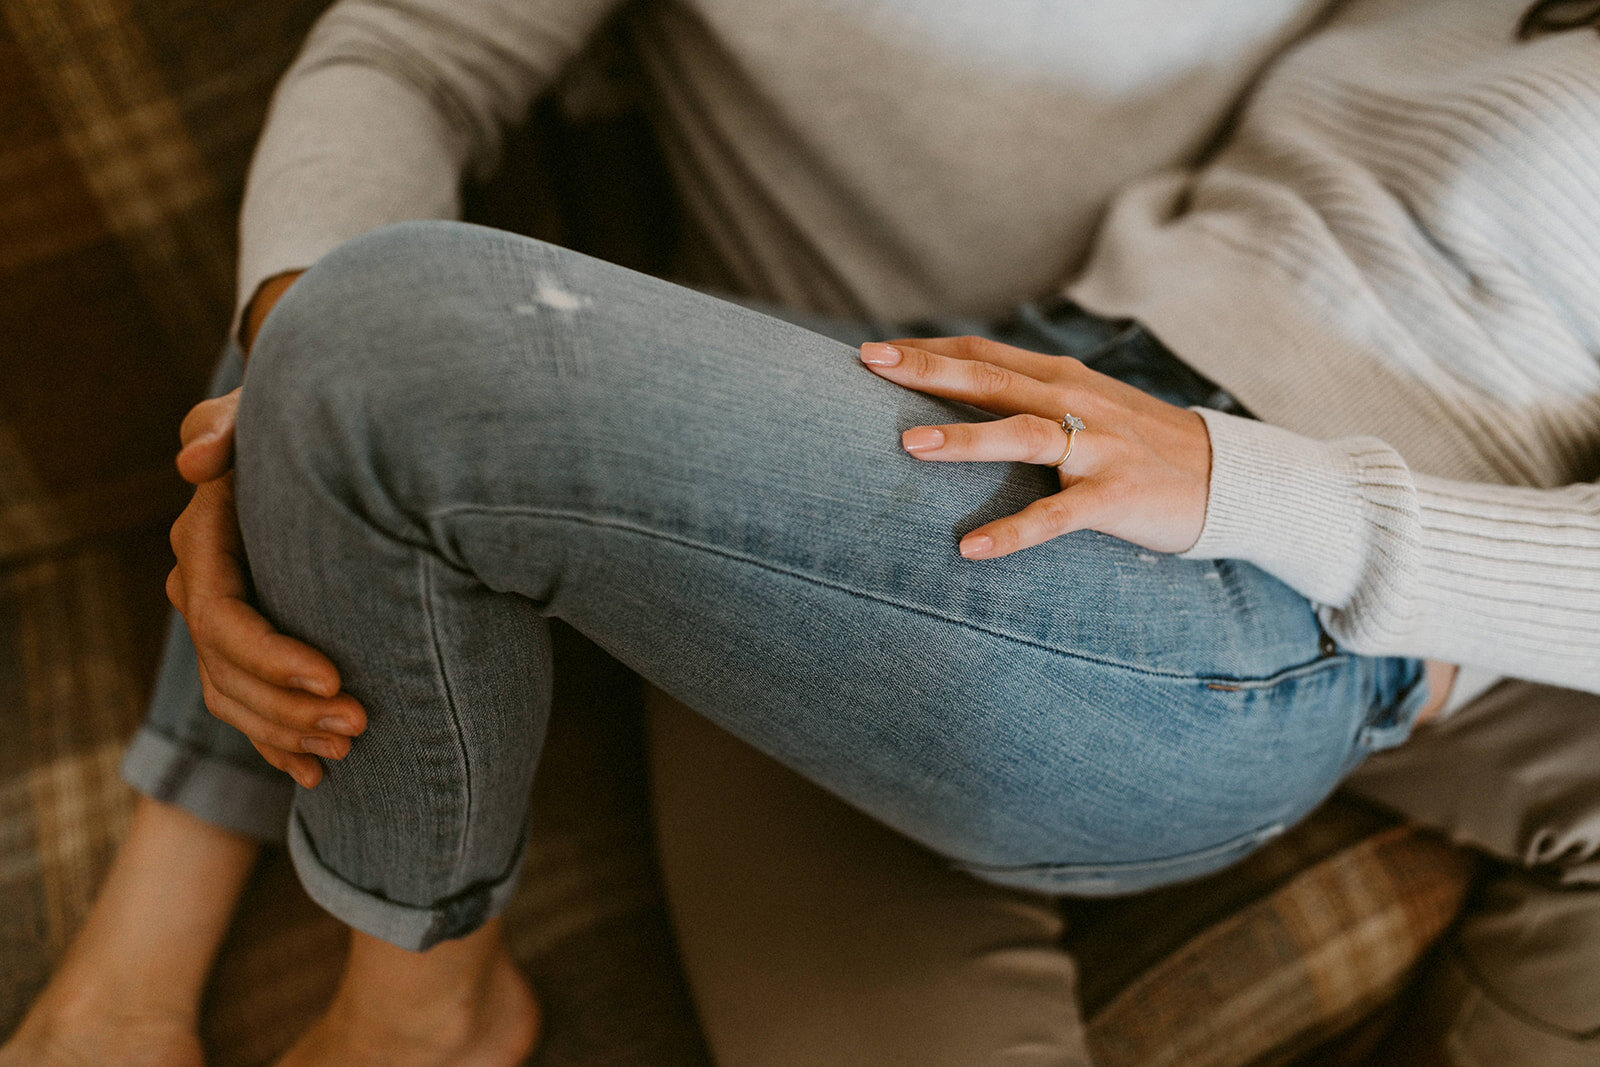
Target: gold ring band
x=1072 y=425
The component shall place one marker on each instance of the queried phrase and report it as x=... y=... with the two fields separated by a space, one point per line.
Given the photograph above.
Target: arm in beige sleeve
x=1497 y=578
x=388 y=106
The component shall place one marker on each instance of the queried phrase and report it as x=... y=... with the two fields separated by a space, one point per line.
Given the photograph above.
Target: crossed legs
x=451 y=434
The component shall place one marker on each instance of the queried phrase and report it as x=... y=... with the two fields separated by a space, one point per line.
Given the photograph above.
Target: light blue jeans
x=450 y=434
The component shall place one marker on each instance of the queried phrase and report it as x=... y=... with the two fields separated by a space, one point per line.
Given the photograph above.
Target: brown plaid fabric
x=75 y=663
x=123 y=143
x=125 y=129
x=1273 y=957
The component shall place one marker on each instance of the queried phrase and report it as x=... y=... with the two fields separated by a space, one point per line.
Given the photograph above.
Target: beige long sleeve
x=388 y=106
x=1394 y=255
x=1505 y=578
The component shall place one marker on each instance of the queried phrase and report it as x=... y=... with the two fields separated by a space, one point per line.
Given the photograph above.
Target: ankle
x=71 y=1007
x=422 y=1000
x=98 y=985
x=77 y=1028
x=491 y=1019
x=148 y=942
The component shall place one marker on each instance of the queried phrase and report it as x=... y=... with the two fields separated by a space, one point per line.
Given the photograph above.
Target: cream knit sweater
x=1397 y=253
x=1393 y=258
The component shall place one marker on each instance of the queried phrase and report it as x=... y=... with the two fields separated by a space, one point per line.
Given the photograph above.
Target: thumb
x=207 y=435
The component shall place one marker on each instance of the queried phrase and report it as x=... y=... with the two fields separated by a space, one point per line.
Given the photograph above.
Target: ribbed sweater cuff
x=1292 y=506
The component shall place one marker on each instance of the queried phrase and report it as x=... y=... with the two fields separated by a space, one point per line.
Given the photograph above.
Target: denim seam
x=1250 y=838
x=617 y=524
x=1309 y=671
x=455 y=715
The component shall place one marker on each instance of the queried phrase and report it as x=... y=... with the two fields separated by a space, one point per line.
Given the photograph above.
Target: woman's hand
x=1139 y=471
x=281 y=693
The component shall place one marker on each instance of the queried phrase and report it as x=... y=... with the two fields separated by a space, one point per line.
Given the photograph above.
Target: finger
x=981 y=384
x=1017 y=438
x=175 y=594
x=213 y=415
x=207 y=543
x=1090 y=390
x=230 y=627
x=299 y=766
x=293 y=709
x=207 y=436
x=1040 y=365
x=1083 y=507
x=262 y=730
x=208 y=457
x=303 y=769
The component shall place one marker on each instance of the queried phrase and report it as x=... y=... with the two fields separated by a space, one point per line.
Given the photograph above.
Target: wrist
x=256 y=309
x=1288 y=504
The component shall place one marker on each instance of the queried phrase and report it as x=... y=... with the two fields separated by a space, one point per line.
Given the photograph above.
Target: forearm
x=314 y=182
x=385 y=111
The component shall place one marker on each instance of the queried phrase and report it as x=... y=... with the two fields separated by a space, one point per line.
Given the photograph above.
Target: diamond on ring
x=1071 y=425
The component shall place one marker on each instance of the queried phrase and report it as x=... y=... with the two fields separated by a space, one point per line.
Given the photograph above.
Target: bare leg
x=128 y=990
x=461 y=1002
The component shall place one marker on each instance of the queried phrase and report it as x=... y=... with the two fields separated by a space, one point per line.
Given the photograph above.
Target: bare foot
x=90 y=1035
x=491 y=1020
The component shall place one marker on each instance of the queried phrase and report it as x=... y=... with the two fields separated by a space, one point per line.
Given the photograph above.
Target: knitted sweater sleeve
x=388 y=106
x=1502 y=578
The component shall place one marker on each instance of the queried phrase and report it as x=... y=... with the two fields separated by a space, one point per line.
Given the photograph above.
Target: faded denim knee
x=368 y=399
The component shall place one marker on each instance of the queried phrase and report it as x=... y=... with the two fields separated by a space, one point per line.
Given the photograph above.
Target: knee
x=385 y=366
x=351 y=360
x=423 y=309
x=388 y=328
x=366 y=313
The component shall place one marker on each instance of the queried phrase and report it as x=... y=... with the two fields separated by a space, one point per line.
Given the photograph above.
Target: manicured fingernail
x=336 y=726
x=922 y=439
x=320 y=746
x=879 y=354
x=310 y=686
x=977 y=547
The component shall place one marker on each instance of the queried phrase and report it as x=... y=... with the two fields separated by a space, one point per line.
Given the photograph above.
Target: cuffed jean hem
x=218 y=791
x=407 y=926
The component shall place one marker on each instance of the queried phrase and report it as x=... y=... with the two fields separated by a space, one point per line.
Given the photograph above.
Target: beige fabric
x=1516 y=774
x=883 y=158
x=812 y=936
x=1470 y=1020
x=815 y=937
